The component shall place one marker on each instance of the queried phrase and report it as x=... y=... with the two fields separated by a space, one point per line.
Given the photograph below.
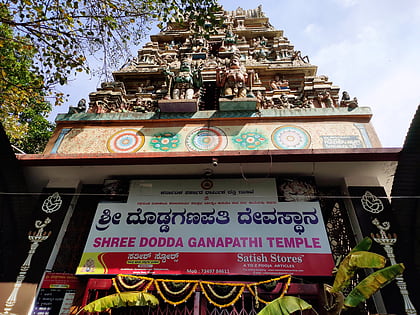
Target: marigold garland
x=159 y=282
x=231 y=284
x=255 y=293
x=219 y=296
x=234 y=285
x=206 y=288
x=115 y=285
x=271 y=280
x=173 y=292
x=120 y=279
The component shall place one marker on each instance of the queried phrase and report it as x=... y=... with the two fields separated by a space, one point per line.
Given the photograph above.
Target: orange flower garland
x=207 y=287
x=207 y=290
x=254 y=291
x=163 y=290
x=120 y=281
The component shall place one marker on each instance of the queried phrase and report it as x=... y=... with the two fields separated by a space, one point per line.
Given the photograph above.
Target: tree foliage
x=39 y=129
x=23 y=107
x=44 y=42
x=65 y=32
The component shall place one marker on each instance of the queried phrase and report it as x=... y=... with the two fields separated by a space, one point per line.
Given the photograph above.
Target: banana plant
x=285 y=305
x=334 y=300
x=359 y=257
x=122 y=299
x=372 y=283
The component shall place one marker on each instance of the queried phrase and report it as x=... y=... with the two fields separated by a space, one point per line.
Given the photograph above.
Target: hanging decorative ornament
x=253 y=287
x=175 y=291
x=216 y=298
x=125 y=283
x=220 y=294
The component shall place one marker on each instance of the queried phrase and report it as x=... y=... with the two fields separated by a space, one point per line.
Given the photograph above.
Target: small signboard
x=345 y=142
x=56 y=294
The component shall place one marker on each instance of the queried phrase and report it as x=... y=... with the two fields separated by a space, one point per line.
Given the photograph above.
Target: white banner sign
x=187 y=226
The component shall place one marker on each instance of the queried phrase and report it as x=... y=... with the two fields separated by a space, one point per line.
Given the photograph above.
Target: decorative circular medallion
x=250 y=140
x=165 y=141
x=206 y=139
x=290 y=137
x=206 y=184
x=125 y=141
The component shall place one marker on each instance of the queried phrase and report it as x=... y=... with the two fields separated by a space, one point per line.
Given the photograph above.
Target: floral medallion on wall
x=290 y=137
x=250 y=140
x=206 y=139
x=125 y=141
x=165 y=141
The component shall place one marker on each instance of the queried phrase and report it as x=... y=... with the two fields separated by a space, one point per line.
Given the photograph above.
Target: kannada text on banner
x=226 y=226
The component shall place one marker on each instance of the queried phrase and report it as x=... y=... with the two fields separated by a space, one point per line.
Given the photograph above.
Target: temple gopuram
x=248 y=72
x=217 y=173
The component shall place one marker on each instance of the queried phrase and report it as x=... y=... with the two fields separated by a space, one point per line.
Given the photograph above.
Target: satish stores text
x=274 y=258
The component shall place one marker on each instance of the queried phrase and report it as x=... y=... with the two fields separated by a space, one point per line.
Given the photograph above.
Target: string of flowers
x=235 y=286
x=257 y=301
x=115 y=285
x=126 y=286
x=219 y=296
x=207 y=288
x=254 y=291
x=173 y=292
x=160 y=284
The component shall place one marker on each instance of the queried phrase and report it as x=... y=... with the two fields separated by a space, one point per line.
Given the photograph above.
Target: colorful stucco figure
x=182 y=85
x=234 y=78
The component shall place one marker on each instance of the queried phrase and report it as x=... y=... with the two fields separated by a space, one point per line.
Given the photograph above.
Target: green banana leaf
x=353 y=261
x=368 y=286
x=285 y=305
x=129 y=298
x=364 y=245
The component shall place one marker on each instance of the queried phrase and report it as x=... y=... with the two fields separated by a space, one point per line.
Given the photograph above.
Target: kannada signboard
x=222 y=226
x=56 y=294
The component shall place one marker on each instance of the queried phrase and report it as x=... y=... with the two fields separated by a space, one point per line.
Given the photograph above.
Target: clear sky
x=370 y=48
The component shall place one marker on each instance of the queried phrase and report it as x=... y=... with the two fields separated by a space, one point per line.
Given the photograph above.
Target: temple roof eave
x=360 y=114
x=306 y=69
x=259 y=32
x=155 y=71
x=303 y=155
